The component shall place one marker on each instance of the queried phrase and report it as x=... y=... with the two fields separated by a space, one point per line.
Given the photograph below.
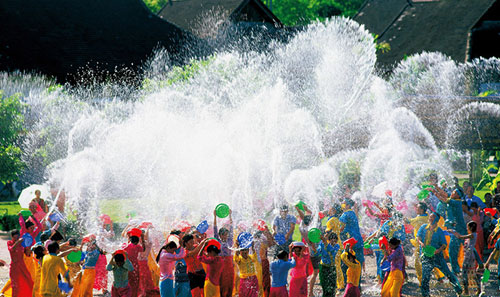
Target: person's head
x=444 y=184
x=488 y=199
x=283 y=211
x=188 y=241
x=119 y=259
x=15 y=234
x=336 y=209
x=213 y=251
x=45 y=236
x=465 y=206
x=421 y=208
x=72 y=241
x=57 y=236
x=469 y=191
x=282 y=255
x=53 y=247
x=223 y=234
x=244 y=253
x=333 y=238
x=171 y=247
x=37 y=193
x=351 y=256
x=473 y=206
x=433 y=178
x=297 y=250
x=348 y=203
x=433 y=218
x=134 y=239
x=472 y=227
x=30 y=226
x=307 y=220
x=39 y=251
x=394 y=243
x=176 y=232
x=465 y=185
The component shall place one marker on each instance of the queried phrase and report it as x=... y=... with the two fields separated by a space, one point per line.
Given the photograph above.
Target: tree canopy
x=11 y=123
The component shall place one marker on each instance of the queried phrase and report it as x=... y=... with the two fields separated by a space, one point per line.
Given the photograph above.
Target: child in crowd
x=469 y=264
x=353 y=272
x=121 y=266
x=133 y=249
x=88 y=278
x=39 y=251
x=214 y=269
x=21 y=281
x=225 y=236
x=394 y=282
x=279 y=272
x=146 y=285
x=52 y=267
x=249 y=285
x=166 y=259
x=302 y=269
x=196 y=273
x=327 y=250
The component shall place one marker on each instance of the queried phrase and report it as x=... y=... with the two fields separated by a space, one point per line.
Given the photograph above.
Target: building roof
x=57 y=37
x=411 y=27
x=196 y=15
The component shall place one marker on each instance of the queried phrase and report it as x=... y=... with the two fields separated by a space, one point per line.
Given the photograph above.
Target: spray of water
x=253 y=130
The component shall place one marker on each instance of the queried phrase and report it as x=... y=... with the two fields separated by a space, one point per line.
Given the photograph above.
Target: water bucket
x=429 y=251
x=214 y=242
x=25 y=213
x=383 y=242
x=314 y=235
x=486 y=276
x=64 y=287
x=260 y=225
x=75 y=256
x=56 y=217
x=300 y=204
x=280 y=239
x=27 y=240
x=202 y=227
x=105 y=219
x=423 y=194
x=352 y=241
x=367 y=245
x=245 y=240
x=222 y=210
x=427 y=187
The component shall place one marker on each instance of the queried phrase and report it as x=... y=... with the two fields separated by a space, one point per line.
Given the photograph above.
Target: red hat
x=145 y=225
x=383 y=242
x=492 y=211
x=213 y=241
x=260 y=225
x=88 y=238
x=122 y=252
x=135 y=232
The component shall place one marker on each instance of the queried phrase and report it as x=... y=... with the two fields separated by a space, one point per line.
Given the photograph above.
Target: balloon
x=314 y=235
x=75 y=256
x=27 y=240
x=222 y=210
x=202 y=227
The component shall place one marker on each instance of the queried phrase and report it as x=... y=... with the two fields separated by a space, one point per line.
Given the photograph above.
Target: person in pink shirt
x=214 y=269
x=302 y=269
x=133 y=249
x=166 y=259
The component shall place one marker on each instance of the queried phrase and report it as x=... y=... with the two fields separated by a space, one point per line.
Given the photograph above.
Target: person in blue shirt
x=431 y=235
x=284 y=224
x=120 y=266
x=470 y=197
x=279 y=274
x=454 y=220
x=327 y=250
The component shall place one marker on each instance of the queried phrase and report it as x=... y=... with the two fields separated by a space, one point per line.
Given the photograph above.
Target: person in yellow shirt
x=249 y=285
x=353 y=272
x=333 y=225
x=39 y=252
x=52 y=266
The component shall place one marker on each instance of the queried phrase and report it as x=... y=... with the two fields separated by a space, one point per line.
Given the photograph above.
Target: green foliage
x=177 y=75
x=383 y=46
x=487 y=93
x=11 y=123
x=350 y=173
x=303 y=12
x=155 y=5
x=9 y=222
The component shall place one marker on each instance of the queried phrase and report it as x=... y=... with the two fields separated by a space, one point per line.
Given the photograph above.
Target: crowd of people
x=451 y=227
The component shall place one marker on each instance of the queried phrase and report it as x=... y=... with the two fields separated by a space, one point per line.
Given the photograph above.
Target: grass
x=117 y=209
x=10 y=208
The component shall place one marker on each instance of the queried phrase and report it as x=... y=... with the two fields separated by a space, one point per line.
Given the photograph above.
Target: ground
x=370 y=288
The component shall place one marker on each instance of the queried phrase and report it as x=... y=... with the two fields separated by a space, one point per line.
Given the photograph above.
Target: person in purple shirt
x=394 y=282
x=279 y=273
x=470 y=197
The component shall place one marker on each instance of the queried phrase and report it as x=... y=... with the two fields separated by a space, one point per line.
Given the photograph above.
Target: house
x=59 y=37
x=205 y=18
x=462 y=30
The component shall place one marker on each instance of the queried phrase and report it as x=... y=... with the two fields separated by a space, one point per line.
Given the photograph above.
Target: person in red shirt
x=133 y=249
x=21 y=282
x=214 y=269
x=196 y=273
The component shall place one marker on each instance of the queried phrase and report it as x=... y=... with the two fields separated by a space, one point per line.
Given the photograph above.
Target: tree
x=11 y=127
x=155 y=5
